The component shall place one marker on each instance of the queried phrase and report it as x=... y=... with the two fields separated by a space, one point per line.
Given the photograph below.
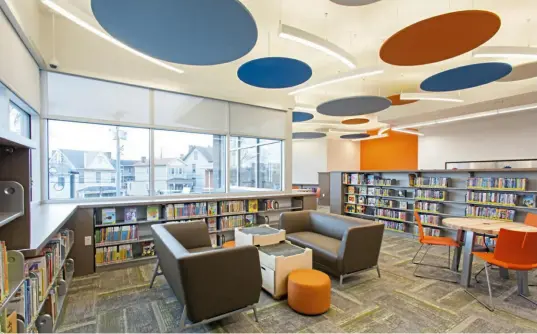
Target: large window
x=188 y=163
x=256 y=164
x=83 y=160
x=19 y=120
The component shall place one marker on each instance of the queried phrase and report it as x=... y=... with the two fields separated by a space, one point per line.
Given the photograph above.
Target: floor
x=120 y=301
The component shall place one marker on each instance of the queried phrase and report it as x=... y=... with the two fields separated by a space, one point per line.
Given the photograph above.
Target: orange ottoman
x=308 y=291
x=229 y=244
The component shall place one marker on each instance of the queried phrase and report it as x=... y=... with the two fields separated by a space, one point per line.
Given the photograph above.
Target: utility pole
x=118 y=136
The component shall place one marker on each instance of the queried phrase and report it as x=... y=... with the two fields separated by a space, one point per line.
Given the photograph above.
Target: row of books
x=356 y=190
x=497 y=183
x=428 y=206
x=489 y=212
x=391 y=214
x=393 y=225
x=4 y=272
x=122 y=253
x=485 y=241
x=116 y=233
x=492 y=198
x=130 y=215
x=351 y=208
x=390 y=203
x=354 y=178
x=428 y=231
x=430 y=219
x=232 y=206
x=235 y=221
x=430 y=194
x=440 y=182
x=186 y=210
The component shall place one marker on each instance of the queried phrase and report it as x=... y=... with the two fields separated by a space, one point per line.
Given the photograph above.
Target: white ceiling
x=359 y=30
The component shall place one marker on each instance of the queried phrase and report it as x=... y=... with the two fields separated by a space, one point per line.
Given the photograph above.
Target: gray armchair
x=341 y=245
x=210 y=283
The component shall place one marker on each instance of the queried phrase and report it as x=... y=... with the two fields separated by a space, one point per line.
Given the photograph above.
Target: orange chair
x=531 y=219
x=514 y=250
x=431 y=241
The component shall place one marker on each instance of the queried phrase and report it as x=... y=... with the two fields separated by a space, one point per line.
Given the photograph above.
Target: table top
x=260 y=230
x=485 y=226
x=282 y=249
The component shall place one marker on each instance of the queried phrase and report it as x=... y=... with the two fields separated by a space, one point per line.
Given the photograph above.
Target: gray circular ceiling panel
x=521 y=72
x=354 y=106
x=354 y=2
x=308 y=135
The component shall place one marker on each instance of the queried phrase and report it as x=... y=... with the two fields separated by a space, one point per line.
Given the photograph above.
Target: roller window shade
x=246 y=120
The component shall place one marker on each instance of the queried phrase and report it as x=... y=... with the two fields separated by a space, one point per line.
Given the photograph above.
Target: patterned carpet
x=120 y=301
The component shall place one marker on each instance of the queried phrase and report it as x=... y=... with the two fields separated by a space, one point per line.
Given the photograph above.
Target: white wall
x=309 y=158
x=18 y=70
x=343 y=155
x=511 y=136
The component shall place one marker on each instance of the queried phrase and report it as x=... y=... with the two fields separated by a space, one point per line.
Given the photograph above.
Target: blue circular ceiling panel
x=274 y=72
x=308 y=135
x=355 y=136
x=299 y=116
x=354 y=106
x=466 y=77
x=192 y=32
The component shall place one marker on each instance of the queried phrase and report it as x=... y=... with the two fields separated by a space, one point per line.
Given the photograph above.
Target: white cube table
x=261 y=235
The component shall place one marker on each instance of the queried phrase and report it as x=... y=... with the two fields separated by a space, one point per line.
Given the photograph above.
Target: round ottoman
x=229 y=244
x=308 y=291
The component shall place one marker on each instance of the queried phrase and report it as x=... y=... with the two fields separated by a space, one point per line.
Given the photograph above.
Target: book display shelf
x=122 y=233
x=392 y=197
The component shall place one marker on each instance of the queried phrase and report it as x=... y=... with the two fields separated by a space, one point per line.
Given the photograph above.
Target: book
x=350 y=189
x=130 y=215
x=11 y=322
x=361 y=200
x=403 y=205
x=211 y=224
x=401 y=193
x=4 y=281
x=213 y=208
x=371 y=191
x=528 y=201
x=148 y=248
x=351 y=199
x=153 y=213
x=252 y=205
x=109 y=216
x=170 y=211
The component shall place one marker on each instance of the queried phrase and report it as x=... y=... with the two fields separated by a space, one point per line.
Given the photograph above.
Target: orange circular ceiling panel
x=396 y=100
x=355 y=121
x=440 y=37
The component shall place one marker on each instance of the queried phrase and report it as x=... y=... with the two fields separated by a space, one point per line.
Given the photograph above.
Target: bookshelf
x=391 y=197
x=122 y=231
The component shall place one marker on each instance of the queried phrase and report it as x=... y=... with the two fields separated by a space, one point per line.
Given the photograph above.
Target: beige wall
x=343 y=155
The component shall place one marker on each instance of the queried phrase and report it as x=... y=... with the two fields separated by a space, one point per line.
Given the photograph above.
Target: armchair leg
x=155 y=274
x=378 y=270
x=255 y=313
x=340 y=281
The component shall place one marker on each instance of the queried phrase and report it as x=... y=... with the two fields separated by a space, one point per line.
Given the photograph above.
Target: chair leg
x=419 y=263
x=183 y=319
x=449 y=256
x=491 y=306
x=155 y=273
x=378 y=270
x=340 y=280
x=430 y=265
x=255 y=313
x=479 y=272
x=414 y=258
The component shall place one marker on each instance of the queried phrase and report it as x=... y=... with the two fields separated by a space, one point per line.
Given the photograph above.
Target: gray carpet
x=120 y=301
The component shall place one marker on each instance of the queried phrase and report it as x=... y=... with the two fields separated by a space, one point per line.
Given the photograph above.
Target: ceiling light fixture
x=431 y=97
x=313 y=41
x=410 y=132
x=518 y=108
x=524 y=52
x=70 y=16
x=359 y=73
x=465 y=117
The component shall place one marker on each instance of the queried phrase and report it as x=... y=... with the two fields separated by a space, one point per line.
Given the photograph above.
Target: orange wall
x=398 y=151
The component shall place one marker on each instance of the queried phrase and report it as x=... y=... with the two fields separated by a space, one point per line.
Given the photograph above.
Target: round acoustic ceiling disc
x=355 y=136
x=308 y=135
x=440 y=37
x=354 y=106
x=192 y=32
x=300 y=116
x=354 y=2
x=465 y=77
x=355 y=121
x=521 y=72
x=274 y=72
x=396 y=100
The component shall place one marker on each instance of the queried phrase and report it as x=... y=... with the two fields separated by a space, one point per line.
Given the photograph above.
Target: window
x=19 y=121
x=256 y=164
x=83 y=160
x=178 y=149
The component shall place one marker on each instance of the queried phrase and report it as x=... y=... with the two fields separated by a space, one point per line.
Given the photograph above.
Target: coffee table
x=261 y=235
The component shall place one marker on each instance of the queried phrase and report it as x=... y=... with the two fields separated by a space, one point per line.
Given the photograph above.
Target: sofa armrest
x=220 y=281
x=296 y=221
x=360 y=247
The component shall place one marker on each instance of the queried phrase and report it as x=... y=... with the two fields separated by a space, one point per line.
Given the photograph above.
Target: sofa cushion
x=334 y=226
x=325 y=249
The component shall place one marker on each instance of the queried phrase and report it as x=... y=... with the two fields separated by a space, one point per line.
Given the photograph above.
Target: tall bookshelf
x=123 y=237
x=392 y=197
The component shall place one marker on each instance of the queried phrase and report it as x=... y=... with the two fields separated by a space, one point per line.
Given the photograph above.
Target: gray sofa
x=210 y=283
x=341 y=245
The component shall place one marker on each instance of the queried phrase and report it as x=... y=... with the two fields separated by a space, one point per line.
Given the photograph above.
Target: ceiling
x=358 y=30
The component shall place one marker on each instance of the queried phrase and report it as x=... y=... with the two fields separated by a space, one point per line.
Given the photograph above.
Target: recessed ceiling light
x=431 y=97
x=358 y=73
x=506 y=52
x=313 y=41
x=72 y=17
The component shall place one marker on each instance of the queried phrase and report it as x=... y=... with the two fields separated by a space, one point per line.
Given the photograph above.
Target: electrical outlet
x=87 y=240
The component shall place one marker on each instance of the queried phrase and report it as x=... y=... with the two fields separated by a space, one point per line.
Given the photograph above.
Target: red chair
x=430 y=241
x=515 y=250
x=531 y=219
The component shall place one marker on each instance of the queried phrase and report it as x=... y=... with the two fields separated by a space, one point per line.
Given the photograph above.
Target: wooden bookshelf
x=453 y=184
